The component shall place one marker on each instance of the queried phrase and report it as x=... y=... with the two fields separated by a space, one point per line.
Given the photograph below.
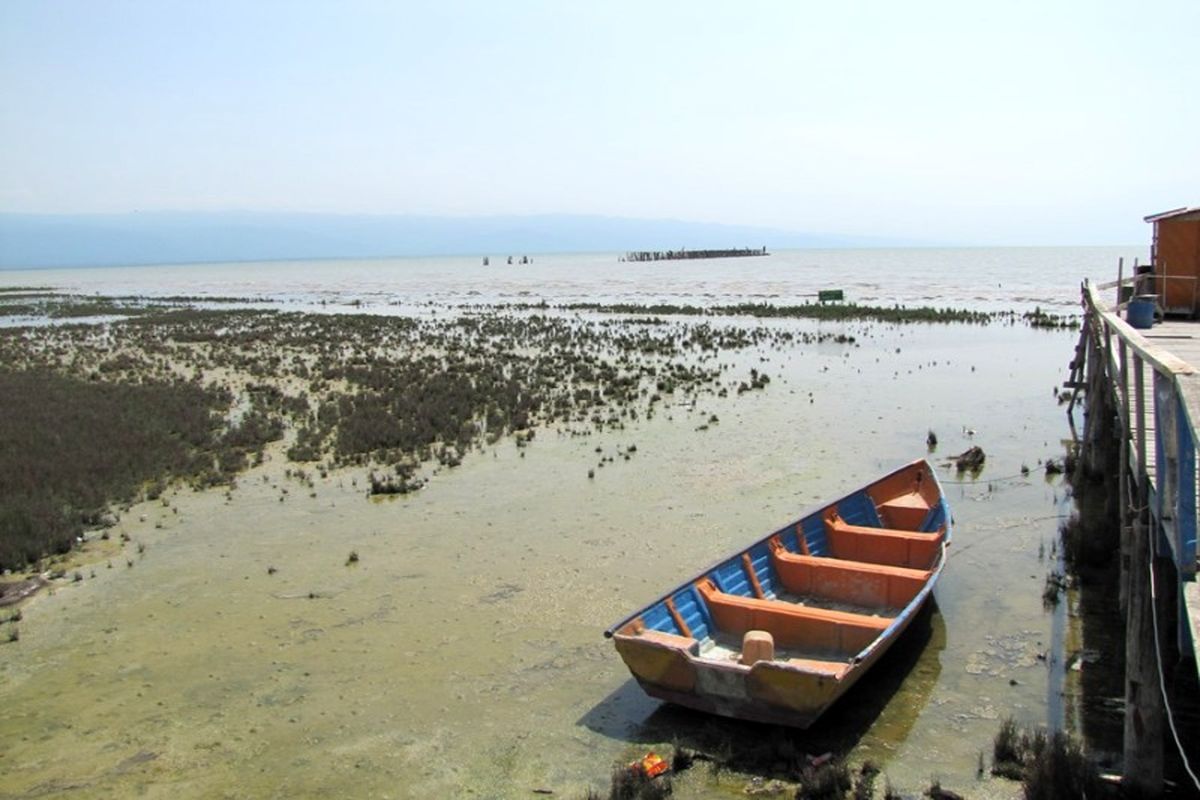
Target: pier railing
x=1143 y=404
x=1159 y=441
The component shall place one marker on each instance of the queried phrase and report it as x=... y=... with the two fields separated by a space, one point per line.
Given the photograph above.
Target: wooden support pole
x=1139 y=429
x=1093 y=444
x=1120 y=279
x=1076 y=381
x=1143 y=773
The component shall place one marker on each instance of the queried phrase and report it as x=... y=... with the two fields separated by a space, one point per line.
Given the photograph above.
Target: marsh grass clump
x=829 y=781
x=1056 y=584
x=864 y=782
x=633 y=784
x=1059 y=768
x=936 y=792
x=682 y=759
x=402 y=482
x=1048 y=765
x=1085 y=547
x=1046 y=320
x=62 y=468
x=1008 y=751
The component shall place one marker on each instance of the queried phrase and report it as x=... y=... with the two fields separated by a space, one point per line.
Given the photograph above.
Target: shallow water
x=989 y=279
x=462 y=654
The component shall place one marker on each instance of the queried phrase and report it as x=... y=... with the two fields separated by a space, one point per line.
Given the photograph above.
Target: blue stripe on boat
x=657 y=618
x=694 y=612
x=814 y=536
x=859 y=509
x=934 y=519
x=730 y=578
x=760 y=560
x=788 y=536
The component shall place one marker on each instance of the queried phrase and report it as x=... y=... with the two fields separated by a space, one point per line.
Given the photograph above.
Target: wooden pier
x=685 y=254
x=1142 y=390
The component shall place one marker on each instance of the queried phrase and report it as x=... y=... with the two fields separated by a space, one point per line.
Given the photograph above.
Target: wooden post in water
x=1143 y=773
x=1120 y=279
x=1097 y=427
x=1091 y=379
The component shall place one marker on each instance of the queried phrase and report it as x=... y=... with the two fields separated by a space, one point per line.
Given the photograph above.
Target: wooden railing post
x=1139 y=422
x=1123 y=482
x=1185 y=510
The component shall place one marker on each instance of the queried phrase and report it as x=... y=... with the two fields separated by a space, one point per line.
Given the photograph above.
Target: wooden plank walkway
x=1180 y=338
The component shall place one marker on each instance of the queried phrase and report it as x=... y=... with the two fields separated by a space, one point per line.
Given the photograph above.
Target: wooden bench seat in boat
x=904 y=512
x=905 y=500
x=856 y=582
x=815 y=630
x=888 y=546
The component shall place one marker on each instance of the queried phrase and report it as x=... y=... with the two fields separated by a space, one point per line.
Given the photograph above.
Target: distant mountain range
x=82 y=240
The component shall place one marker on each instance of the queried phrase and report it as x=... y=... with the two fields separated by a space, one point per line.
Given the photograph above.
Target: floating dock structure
x=1142 y=389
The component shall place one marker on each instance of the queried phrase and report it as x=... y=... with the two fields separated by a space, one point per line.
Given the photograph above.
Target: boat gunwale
x=909 y=609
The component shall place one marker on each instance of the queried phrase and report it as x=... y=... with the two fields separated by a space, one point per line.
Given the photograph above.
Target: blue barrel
x=1140 y=311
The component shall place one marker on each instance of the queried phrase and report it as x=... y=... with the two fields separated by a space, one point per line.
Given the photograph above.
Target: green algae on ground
x=360 y=389
x=246 y=657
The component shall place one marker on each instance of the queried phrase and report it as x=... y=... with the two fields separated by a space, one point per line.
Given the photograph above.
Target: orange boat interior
x=824 y=588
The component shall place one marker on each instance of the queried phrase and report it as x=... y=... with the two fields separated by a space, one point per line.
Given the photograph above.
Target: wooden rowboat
x=780 y=630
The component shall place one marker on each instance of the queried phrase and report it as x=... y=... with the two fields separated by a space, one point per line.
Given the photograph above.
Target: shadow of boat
x=890 y=697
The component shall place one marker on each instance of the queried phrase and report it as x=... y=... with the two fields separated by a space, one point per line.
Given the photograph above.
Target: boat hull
x=831 y=591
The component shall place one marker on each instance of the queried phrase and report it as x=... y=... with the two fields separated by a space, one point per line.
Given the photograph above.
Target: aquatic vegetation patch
x=18 y=309
x=1048 y=765
x=399 y=395
x=9 y=290
x=629 y=784
x=895 y=314
x=69 y=447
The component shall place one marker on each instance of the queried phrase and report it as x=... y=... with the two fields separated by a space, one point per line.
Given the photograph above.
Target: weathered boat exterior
x=833 y=590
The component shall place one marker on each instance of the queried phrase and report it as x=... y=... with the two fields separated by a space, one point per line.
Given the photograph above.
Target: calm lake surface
x=985 y=278
x=462 y=655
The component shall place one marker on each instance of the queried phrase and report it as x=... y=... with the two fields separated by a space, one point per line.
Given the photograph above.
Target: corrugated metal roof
x=1175 y=212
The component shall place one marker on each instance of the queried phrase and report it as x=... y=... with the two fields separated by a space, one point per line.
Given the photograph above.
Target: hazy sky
x=999 y=122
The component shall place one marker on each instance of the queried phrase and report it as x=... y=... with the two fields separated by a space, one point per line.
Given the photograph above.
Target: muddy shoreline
x=489 y=585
